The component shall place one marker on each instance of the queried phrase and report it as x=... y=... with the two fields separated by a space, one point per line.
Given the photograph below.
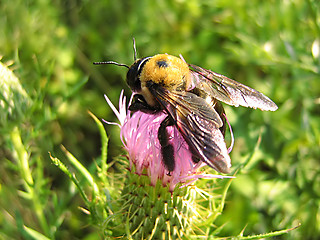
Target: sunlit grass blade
x=72 y=177
x=85 y=173
x=104 y=149
x=261 y=236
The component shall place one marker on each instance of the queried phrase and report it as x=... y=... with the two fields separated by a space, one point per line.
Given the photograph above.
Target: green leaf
x=35 y=234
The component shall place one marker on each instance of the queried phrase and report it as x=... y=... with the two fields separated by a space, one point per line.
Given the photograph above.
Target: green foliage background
x=272 y=46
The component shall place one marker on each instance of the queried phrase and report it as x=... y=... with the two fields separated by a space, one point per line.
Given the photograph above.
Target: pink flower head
x=139 y=135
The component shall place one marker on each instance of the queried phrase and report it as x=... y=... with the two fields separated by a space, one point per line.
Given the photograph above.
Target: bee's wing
x=229 y=91
x=199 y=125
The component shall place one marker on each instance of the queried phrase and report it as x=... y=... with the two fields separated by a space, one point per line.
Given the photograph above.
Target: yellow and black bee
x=190 y=96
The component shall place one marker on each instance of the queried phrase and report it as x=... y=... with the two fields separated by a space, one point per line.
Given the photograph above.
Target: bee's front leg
x=140 y=104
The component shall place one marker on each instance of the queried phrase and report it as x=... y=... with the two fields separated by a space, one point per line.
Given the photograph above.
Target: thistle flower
x=150 y=191
x=139 y=135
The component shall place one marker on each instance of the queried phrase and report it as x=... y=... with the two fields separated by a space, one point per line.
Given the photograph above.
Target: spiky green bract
x=153 y=212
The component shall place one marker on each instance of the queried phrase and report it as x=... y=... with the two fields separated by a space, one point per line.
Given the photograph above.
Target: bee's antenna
x=135 y=49
x=112 y=62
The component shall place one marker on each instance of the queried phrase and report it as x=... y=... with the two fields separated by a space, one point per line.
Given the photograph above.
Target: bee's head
x=133 y=74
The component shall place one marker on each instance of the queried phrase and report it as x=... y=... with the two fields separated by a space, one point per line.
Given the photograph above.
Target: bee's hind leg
x=167 y=150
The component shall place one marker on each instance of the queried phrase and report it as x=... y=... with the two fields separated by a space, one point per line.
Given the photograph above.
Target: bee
x=191 y=97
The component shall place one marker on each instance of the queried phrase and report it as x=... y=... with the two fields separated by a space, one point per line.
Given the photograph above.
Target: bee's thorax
x=166 y=70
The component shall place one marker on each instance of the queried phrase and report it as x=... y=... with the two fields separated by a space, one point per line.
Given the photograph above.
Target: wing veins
x=229 y=91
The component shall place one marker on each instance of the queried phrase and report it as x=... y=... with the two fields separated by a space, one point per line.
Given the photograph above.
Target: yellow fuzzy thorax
x=172 y=75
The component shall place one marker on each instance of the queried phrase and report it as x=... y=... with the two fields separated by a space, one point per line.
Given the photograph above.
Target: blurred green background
x=272 y=46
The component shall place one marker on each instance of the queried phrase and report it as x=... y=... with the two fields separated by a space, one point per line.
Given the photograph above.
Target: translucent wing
x=229 y=91
x=199 y=124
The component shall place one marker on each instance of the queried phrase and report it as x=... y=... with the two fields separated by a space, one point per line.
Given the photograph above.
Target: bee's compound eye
x=133 y=74
x=133 y=77
x=162 y=63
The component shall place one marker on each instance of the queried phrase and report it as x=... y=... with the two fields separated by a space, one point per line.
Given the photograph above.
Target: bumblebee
x=191 y=97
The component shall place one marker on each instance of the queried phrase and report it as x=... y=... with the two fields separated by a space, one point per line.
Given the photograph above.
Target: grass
x=272 y=46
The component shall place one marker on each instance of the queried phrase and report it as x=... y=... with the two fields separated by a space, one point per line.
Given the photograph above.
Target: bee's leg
x=219 y=109
x=140 y=104
x=195 y=158
x=195 y=155
x=166 y=148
